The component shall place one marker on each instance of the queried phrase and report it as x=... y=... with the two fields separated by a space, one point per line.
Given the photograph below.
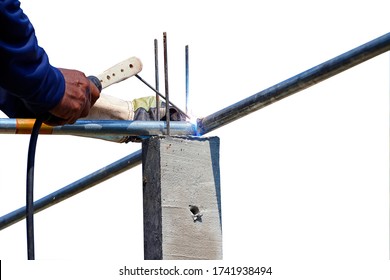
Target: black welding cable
x=30 y=176
x=30 y=189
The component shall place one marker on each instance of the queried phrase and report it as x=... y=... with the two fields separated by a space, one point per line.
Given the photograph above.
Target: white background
x=305 y=181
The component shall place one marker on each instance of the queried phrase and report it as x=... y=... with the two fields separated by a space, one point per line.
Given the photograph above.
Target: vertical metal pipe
x=156 y=78
x=166 y=83
x=187 y=78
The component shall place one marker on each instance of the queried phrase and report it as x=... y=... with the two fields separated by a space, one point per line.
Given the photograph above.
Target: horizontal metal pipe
x=81 y=185
x=99 y=127
x=295 y=84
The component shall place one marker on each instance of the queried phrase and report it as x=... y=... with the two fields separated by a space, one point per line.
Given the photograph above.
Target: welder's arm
x=112 y=108
x=25 y=69
x=29 y=85
x=109 y=107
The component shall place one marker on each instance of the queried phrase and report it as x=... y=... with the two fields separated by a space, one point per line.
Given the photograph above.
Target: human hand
x=80 y=95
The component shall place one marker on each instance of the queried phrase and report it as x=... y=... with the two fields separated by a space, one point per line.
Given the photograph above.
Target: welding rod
x=152 y=88
x=294 y=84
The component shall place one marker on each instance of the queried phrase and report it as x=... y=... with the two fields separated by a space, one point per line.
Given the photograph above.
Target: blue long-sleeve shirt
x=29 y=85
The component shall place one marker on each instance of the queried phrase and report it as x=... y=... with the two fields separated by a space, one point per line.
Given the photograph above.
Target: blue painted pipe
x=81 y=185
x=294 y=84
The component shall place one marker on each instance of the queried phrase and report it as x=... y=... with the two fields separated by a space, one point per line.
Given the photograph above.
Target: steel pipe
x=93 y=128
x=81 y=185
x=294 y=84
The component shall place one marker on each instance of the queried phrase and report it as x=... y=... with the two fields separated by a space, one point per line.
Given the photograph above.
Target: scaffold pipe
x=81 y=185
x=99 y=127
x=294 y=84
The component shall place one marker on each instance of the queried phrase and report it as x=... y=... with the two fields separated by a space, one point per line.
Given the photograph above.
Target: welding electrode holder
x=95 y=80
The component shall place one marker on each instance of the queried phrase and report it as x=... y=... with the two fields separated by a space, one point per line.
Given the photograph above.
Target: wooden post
x=182 y=199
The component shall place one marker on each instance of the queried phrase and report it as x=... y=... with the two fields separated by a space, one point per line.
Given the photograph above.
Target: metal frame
x=93 y=128
x=205 y=125
x=81 y=185
x=295 y=84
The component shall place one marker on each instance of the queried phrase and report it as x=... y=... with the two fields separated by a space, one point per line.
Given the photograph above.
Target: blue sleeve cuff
x=49 y=94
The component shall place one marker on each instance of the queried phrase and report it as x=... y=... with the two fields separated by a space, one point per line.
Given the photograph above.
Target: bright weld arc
x=194 y=121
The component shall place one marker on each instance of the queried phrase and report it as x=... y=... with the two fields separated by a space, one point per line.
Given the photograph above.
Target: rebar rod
x=157 y=78
x=294 y=84
x=167 y=116
x=99 y=127
x=80 y=185
x=187 y=77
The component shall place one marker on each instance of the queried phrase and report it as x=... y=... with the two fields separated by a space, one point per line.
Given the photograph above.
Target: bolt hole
x=108 y=77
x=113 y=74
x=122 y=70
x=194 y=209
x=131 y=65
